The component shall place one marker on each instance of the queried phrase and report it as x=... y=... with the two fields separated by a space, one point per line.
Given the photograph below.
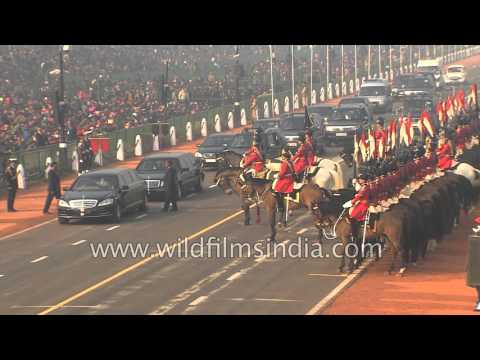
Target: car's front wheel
x=117 y=213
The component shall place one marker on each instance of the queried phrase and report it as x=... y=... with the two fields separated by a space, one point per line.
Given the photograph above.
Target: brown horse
x=261 y=191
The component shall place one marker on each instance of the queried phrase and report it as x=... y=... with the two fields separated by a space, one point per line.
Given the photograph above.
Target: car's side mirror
x=124 y=188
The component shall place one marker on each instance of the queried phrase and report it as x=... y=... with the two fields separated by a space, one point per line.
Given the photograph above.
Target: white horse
x=468 y=171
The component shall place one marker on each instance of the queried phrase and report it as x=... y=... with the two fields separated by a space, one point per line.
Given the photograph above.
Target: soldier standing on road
x=171 y=184
x=473 y=264
x=53 y=187
x=12 y=184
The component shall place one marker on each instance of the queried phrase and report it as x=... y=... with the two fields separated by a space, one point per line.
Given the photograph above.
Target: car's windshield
x=416 y=83
x=266 y=124
x=242 y=140
x=218 y=140
x=95 y=183
x=353 y=100
x=294 y=123
x=321 y=111
x=373 y=91
x=153 y=165
x=429 y=69
x=347 y=114
x=455 y=70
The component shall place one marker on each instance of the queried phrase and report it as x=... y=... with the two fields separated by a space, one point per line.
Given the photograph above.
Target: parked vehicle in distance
x=265 y=124
x=293 y=124
x=320 y=113
x=455 y=75
x=345 y=122
x=271 y=142
x=378 y=93
x=414 y=106
x=152 y=170
x=102 y=194
x=431 y=66
x=413 y=84
x=213 y=145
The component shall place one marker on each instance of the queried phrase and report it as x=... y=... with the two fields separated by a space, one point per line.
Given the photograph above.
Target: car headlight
x=199 y=155
x=63 y=203
x=106 y=202
x=161 y=183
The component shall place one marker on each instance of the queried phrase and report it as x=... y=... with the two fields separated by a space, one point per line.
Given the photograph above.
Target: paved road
x=52 y=269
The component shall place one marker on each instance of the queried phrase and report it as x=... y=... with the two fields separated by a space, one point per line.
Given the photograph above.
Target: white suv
x=455 y=75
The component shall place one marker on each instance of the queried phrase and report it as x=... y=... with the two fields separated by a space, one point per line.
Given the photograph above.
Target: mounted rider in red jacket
x=284 y=183
x=304 y=156
x=252 y=162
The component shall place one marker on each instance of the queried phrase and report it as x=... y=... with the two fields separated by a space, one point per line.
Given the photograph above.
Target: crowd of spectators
x=109 y=87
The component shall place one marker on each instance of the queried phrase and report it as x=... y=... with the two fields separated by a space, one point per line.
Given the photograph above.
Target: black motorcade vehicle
x=265 y=124
x=102 y=194
x=152 y=170
x=345 y=122
x=293 y=124
x=414 y=84
x=271 y=142
x=320 y=113
x=414 y=106
x=213 y=145
x=354 y=100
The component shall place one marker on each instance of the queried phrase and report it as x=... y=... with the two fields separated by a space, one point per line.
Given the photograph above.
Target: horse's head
x=323 y=207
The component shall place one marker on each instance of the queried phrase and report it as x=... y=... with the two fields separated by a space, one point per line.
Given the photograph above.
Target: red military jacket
x=444 y=154
x=301 y=158
x=285 y=181
x=310 y=152
x=253 y=158
x=360 y=203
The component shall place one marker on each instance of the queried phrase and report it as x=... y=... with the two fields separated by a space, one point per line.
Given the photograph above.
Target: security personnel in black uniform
x=12 y=184
x=53 y=187
x=171 y=184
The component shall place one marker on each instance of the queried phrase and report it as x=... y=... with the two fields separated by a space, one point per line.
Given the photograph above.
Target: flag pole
x=311 y=72
x=355 y=67
x=328 y=65
x=379 y=61
x=271 y=77
x=293 y=80
x=341 y=53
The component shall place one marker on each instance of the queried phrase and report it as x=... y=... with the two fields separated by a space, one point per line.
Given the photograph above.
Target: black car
x=271 y=142
x=320 y=113
x=354 y=100
x=293 y=124
x=265 y=124
x=345 y=122
x=413 y=84
x=415 y=105
x=102 y=194
x=212 y=146
x=152 y=170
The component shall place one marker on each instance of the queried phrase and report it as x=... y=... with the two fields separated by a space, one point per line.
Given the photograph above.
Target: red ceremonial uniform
x=301 y=158
x=460 y=138
x=310 y=152
x=253 y=158
x=359 y=208
x=444 y=156
x=285 y=181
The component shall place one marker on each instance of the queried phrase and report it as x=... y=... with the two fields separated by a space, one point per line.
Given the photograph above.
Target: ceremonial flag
x=441 y=114
x=449 y=108
x=472 y=96
x=356 y=150
x=382 y=144
x=363 y=146
x=426 y=124
x=393 y=133
x=371 y=144
x=460 y=96
x=410 y=129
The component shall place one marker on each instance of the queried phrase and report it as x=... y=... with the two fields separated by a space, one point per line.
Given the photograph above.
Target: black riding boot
x=281 y=207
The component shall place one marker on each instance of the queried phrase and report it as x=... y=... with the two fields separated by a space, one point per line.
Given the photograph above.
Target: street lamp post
x=60 y=111
x=369 y=61
x=271 y=79
x=236 y=108
x=311 y=72
x=293 y=79
x=328 y=65
x=342 y=74
x=380 y=61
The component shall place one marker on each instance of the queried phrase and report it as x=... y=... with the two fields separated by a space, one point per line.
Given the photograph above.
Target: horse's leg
x=341 y=254
x=258 y=214
x=271 y=213
x=404 y=252
x=246 y=210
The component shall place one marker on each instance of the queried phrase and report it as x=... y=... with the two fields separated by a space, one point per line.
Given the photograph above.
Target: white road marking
x=27 y=229
x=212 y=186
x=334 y=275
x=79 y=242
x=47 y=306
x=39 y=259
x=194 y=289
x=276 y=300
x=234 y=276
x=141 y=216
x=335 y=292
x=198 y=300
x=112 y=228
x=235 y=299
x=300 y=232
x=1 y=275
